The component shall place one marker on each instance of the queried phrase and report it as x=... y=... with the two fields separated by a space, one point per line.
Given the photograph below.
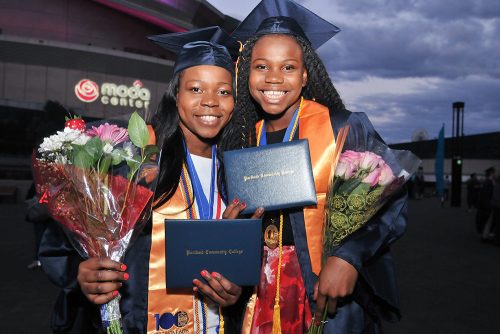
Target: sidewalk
x=449 y=280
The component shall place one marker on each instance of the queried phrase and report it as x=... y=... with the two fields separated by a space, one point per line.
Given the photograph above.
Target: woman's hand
x=337 y=279
x=219 y=289
x=233 y=210
x=100 y=279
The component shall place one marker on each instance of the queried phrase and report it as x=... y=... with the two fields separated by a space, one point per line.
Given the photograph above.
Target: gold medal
x=271 y=236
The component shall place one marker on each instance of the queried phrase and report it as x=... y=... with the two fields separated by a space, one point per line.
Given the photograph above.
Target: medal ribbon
x=261 y=141
x=192 y=188
x=205 y=207
x=290 y=130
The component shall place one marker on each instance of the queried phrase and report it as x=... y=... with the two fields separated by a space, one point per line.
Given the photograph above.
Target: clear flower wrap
x=365 y=174
x=98 y=183
x=366 y=177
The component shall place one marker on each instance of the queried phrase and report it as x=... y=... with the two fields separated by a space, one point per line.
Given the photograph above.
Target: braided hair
x=241 y=130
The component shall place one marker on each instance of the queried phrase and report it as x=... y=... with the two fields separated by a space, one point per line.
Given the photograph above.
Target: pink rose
x=345 y=169
x=341 y=169
x=351 y=156
x=369 y=161
x=386 y=175
x=373 y=177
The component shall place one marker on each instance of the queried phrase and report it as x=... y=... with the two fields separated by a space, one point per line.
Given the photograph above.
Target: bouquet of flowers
x=98 y=183
x=363 y=178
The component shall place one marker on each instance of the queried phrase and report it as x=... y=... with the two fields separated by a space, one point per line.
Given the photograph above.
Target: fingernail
x=115 y=293
x=123 y=267
x=235 y=201
x=204 y=273
x=215 y=275
x=243 y=205
x=126 y=276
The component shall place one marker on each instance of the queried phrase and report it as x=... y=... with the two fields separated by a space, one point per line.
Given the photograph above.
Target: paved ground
x=449 y=280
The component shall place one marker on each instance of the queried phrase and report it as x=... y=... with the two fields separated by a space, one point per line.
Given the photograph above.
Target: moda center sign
x=135 y=96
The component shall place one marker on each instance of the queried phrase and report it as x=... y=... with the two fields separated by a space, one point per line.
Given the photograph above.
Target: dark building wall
x=78 y=21
x=480 y=146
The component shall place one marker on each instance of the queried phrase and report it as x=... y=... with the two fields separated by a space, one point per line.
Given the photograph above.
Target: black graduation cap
x=206 y=46
x=285 y=17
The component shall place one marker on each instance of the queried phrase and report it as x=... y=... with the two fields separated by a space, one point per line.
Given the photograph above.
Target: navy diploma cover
x=276 y=176
x=231 y=247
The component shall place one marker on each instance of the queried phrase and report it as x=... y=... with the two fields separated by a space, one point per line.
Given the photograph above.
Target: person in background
x=495 y=215
x=38 y=215
x=483 y=213
x=446 y=190
x=473 y=188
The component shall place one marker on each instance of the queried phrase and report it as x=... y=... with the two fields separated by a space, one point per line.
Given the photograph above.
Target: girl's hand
x=219 y=289
x=100 y=279
x=233 y=210
x=337 y=279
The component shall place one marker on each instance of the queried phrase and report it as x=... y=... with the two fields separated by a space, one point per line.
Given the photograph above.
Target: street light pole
x=456 y=150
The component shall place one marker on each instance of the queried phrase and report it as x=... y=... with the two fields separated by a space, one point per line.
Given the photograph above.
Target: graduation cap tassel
x=236 y=67
x=276 y=310
x=221 y=321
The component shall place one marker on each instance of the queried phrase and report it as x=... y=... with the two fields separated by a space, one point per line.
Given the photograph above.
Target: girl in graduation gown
x=197 y=105
x=284 y=93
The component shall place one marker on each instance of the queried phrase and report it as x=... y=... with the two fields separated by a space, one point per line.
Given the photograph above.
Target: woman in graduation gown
x=197 y=105
x=284 y=93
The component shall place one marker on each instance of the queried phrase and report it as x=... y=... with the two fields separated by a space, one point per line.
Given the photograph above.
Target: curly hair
x=241 y=130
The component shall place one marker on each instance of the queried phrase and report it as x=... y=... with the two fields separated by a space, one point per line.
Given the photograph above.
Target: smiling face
x=205 y=104
x=277 y=76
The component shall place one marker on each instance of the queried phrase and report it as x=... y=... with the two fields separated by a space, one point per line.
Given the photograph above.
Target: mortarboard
x=285 y=17
x=206 y=46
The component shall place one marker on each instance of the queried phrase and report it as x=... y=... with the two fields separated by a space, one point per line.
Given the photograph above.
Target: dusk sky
x=404 y=62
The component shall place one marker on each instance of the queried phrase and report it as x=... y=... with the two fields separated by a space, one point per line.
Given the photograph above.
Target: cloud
x=404 y=62
x=426 y=104
x=412 y=45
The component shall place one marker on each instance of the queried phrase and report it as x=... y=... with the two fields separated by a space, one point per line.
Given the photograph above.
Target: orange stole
x=171 y=307
x=315 y=125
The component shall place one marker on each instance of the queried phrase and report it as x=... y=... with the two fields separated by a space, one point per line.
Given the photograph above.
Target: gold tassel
x=276 y=319
x=236 y=67
x=276 y=310
x=221 y=321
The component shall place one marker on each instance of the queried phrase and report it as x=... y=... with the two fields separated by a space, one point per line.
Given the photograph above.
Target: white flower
x=108 y=148
x=63 y=140
x=56 y=147
x=50 y=145
x=130 y=150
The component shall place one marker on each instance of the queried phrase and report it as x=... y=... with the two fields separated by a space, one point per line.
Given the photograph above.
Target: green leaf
x=349 y=185
x=94 y=148
x=82 y=158
x=362 y=188
x=117 y=156
x=138 y=131
x=104 y=164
